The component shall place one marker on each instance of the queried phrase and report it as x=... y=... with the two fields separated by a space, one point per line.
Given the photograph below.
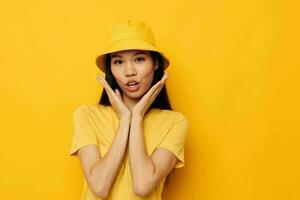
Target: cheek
x=116 y=76
x=119 y=82
x=148 y=78
x=117 y=79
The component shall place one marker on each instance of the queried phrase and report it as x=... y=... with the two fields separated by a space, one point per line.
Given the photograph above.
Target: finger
x=116 y=91
x=101 y=80
x=151 y=97
x=155 y=87
x=165 y=76
x=152 y=89
x=110 y=93
x=161 y=85
x=158 y=84
x=118 y=94
x=157 y=91
x=106 y=86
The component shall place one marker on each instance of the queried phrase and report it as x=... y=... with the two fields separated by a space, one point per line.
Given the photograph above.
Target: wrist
x=126 y=115
x=136 y=116
x=125 y=118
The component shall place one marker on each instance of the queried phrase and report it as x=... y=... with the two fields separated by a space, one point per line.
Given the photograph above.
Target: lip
x=131 y=81
x=133 y=88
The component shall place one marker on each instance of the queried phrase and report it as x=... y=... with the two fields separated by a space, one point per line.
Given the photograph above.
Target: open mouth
x=133 y=86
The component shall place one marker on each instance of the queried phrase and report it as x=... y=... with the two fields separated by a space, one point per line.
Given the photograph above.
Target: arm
x=101 y=172
x=146 y=171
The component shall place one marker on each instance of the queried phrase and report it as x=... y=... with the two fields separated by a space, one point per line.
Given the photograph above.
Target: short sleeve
x=83 y=129
x=174 y=140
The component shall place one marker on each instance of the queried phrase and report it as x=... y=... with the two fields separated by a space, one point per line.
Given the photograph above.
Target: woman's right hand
x=115 y=99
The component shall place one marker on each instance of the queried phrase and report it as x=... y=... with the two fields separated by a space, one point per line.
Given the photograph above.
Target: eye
x=140 y=58
x=116 y=61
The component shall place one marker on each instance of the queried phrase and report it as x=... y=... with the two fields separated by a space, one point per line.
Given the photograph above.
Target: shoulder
x=171 y=118
x=82 y=109
x=97 y=112
x=91 y=108
x=175 y=115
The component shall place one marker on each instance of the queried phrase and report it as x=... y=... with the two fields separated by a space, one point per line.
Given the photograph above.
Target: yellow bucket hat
x=130 y=34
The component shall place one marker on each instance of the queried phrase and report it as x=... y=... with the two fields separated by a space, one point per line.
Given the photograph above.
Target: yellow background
x=234 y=73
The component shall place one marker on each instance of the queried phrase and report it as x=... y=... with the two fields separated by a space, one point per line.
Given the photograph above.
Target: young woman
x=129 y=142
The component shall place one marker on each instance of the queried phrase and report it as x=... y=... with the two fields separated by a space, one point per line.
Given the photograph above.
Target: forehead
x=129 y=53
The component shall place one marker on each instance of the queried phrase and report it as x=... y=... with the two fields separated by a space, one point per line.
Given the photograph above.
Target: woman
x=129 y=142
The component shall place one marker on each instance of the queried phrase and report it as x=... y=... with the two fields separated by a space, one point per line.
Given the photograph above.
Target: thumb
x=118 y=93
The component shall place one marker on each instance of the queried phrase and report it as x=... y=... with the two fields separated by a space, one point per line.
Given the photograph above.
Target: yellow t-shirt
x=97 y=124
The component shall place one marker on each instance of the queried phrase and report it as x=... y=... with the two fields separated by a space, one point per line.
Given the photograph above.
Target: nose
x=130 y=70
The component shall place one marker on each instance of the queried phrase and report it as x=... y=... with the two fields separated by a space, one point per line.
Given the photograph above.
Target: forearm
x=141 y=164
x=106 y=169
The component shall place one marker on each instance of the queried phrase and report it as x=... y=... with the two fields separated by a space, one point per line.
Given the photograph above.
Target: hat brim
x=129 y=44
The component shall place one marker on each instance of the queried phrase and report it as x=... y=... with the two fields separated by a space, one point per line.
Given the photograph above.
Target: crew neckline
x=152 y=110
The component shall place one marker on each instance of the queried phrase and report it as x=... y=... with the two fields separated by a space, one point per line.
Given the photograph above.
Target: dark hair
x=161 y=101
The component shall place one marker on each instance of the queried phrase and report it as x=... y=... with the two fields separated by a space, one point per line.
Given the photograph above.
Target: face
x=135 y=66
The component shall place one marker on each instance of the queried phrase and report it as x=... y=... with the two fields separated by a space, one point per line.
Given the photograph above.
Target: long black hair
x=161 y=101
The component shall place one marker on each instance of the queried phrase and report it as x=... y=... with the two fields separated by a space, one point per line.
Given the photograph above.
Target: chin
x=135 y=95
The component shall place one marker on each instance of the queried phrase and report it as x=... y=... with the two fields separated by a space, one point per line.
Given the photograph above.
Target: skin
x=137 y=65
x=147 y=171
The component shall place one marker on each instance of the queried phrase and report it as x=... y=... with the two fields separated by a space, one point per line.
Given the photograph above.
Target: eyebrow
x=137 y=53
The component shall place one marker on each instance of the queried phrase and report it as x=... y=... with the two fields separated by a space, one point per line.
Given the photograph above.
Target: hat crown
x=132 y=29
x=130 y=34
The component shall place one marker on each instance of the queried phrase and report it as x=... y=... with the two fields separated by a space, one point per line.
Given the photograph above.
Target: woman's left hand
x=144 y=103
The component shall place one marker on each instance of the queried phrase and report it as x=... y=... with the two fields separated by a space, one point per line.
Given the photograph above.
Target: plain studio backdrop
x=234 y=73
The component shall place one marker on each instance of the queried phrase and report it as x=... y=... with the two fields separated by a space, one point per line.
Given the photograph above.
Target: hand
x=115 y=99
x=144 y=103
